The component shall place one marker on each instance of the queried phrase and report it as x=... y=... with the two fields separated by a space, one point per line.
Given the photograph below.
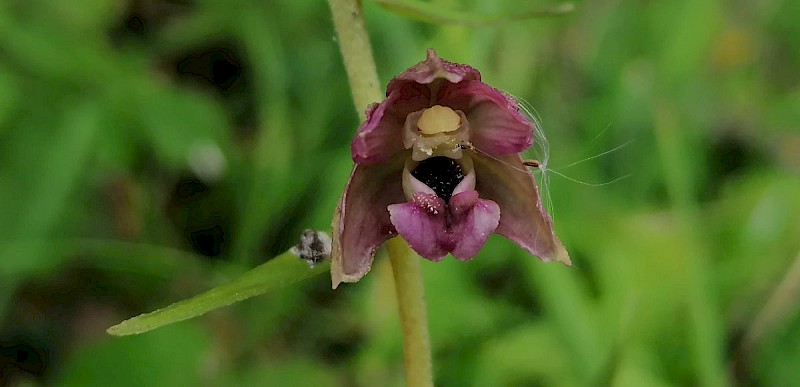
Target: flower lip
x=441 y=174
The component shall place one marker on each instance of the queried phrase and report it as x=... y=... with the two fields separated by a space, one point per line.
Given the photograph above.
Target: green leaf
x=434 y=14
x=283 y=270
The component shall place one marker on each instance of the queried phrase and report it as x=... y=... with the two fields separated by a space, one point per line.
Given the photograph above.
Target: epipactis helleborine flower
x=438 y=163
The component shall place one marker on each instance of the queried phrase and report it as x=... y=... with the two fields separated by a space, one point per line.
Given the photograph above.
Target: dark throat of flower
x=442 y=174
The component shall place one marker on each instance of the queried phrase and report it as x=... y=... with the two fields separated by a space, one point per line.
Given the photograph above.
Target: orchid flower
x=438 y=162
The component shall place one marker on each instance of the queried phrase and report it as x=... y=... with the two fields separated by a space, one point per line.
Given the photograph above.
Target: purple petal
x=473 y=220
x=362 y=223
x=421 y=223
x=506 y=181
x=380 y=136
x=496 y=124
x=431 y=69
x=377 y=139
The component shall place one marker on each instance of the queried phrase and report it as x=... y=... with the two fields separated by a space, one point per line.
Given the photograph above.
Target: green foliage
x=279 y=272
x=437 y=14
x=150 y=151
x=142 y=360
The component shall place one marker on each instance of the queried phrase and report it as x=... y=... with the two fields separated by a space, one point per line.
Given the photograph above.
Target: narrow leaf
x=434 y=14
x=283 y=270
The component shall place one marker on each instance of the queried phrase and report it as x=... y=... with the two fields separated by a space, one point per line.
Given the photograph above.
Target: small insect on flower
x=438 y=163
x=314 y=247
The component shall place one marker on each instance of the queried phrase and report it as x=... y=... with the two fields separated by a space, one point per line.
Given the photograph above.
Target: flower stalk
x=351 y=33
x=413 y=314
x=356 y=51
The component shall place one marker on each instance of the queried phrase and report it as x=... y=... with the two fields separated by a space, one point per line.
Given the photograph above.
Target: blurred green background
x=151 y=149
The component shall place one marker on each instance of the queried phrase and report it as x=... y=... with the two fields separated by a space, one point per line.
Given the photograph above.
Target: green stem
x=357 y=54
x=348 y=20
x=413 y=314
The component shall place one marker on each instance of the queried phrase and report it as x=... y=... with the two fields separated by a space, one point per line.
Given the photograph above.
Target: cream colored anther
x=438 y=119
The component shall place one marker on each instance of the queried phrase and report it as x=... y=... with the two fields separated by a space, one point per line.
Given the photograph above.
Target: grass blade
x=283 y=270
x=431 y=13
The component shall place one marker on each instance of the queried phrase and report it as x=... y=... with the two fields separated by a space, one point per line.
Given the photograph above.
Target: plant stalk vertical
x=348 y=20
